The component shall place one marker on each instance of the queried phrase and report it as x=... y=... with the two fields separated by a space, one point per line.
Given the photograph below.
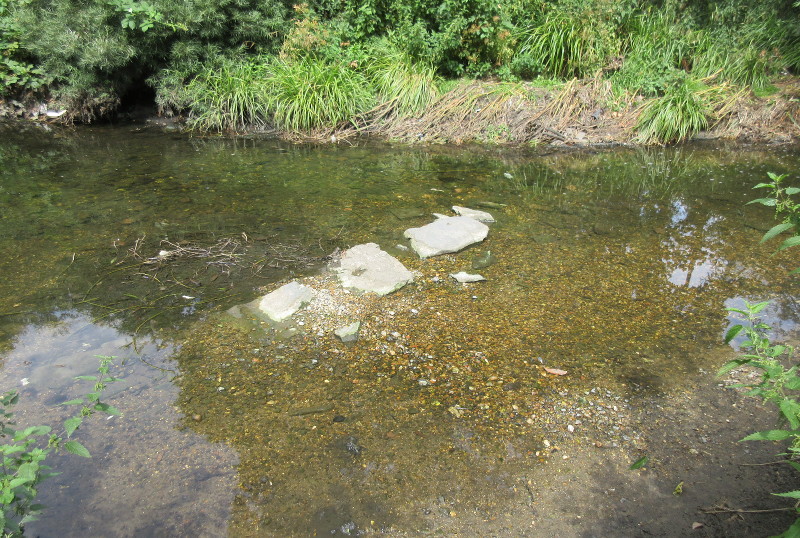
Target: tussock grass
x=409 y=87
x=232 y=96
x=308 y=94
x=684 y=110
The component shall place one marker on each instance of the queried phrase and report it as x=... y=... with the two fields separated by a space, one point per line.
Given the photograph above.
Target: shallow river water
x=612 y=265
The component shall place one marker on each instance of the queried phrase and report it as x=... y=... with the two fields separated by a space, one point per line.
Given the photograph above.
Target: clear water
x=615 y=265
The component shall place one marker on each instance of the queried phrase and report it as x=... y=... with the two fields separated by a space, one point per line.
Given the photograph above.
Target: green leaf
x=758 y=307
x=769 y=202
x=763 y=186
x=775 y=230
x=72 y=424
x=105 y=408
x=794 y=464
x=731 y=365
x=791 y=532
x=86 y=377
x=791 y=190
x=16 y=482
x=738 y=311
x=791 y=410
x=74 y=447
x=641 y=462
x=793 y=383
x=732 y=332
x=769 y=435
x=791 y=242
x=31 y=431
x=792 y=494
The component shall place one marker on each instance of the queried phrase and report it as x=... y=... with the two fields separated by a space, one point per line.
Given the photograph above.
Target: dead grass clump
x=501 y=113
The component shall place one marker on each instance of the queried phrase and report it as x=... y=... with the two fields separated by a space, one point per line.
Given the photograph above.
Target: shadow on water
x=615 y=266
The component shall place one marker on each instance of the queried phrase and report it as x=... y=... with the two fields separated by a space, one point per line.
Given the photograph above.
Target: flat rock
x=466 y=277
x=445 y=235
x=369 y=269
x=477 y=214
x=285 y=301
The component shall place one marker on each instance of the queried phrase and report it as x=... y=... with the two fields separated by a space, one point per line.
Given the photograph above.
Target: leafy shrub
x=16 y=73
x=572 y=38
x=656 y=51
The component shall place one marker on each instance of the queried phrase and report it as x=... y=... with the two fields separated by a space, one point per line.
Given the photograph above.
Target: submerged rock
x=476 y=214
x=285 y=301
x=466 y=277
x=484 y=260
x=445 y=235
x=369 y=269
x=348 y=333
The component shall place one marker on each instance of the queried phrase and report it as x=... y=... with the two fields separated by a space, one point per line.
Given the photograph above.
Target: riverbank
x=575 y=113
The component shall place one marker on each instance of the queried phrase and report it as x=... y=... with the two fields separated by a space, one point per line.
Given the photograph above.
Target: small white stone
x=477 y=214
x=464 y=277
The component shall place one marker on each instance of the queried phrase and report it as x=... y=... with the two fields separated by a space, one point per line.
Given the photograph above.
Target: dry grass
x=578 y=112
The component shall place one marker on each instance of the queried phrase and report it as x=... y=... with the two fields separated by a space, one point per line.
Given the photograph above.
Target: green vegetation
x=24 y=451
x=323 y=65
x=786 y=208
x=778 y=384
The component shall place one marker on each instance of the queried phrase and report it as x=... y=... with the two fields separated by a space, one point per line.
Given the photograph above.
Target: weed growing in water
x=24 y=451
x=785 y=207
x=778 y=384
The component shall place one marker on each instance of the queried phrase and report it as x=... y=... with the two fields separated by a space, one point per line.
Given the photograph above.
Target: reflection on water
x=615 y=266
x=174 y=482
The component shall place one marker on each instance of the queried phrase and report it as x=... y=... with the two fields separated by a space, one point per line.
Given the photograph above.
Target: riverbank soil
x=575 y=113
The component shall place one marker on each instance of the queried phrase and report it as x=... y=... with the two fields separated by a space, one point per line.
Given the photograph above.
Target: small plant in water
x=778 y=385
x=785 y=208
x=25 y=450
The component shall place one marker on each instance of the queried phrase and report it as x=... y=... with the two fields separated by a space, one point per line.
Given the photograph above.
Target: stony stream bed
x=508 y=407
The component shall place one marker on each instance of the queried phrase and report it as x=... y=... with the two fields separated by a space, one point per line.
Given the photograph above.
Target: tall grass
x=232 y=96
x=655 y=51
x=681 y=112
x=563 y=44
x=409 y=86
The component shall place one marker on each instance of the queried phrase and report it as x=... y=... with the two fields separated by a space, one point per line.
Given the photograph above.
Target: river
x=614 y=265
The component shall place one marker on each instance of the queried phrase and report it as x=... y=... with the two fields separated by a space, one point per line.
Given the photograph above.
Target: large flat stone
x=445 y=235
x=285 y=301
x=369 y=269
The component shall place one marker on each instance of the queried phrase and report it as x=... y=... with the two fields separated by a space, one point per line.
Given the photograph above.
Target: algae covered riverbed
x=614 y=266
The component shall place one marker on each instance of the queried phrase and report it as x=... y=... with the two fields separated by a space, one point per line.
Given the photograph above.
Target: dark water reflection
x=616 y=265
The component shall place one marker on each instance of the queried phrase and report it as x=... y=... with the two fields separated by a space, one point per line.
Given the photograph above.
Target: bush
x=571 y=39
